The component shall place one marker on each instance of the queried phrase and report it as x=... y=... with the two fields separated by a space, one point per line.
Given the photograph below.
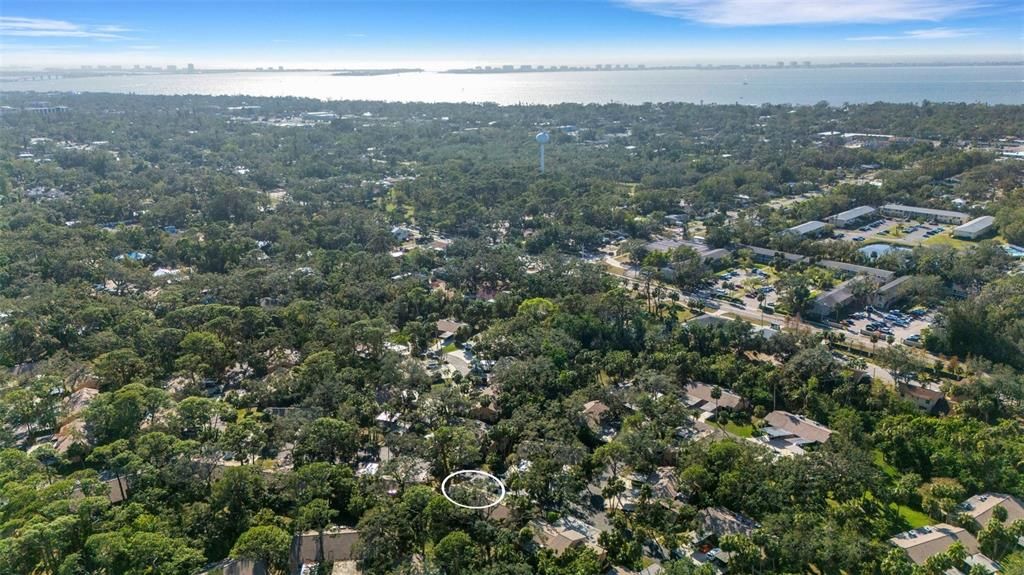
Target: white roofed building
x=928 y=214
x=851 y=216
x=811 y=228
x=975 y=228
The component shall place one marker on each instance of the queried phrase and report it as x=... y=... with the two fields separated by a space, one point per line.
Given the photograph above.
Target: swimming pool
x=875 y=250
x=1014 y=251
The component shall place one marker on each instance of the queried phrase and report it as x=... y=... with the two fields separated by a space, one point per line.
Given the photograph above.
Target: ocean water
x=988 y=84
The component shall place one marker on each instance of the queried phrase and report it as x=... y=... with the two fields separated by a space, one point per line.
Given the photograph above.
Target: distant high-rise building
x=807 y=63
x=794 y=63
x=191 y=68
x=280 y=68
x=780 y=64
x=137 y=67
x=171 y=67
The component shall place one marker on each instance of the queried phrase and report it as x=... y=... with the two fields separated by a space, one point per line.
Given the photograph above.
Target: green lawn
x=684 y=314
x=885 y=467
x=914 y=518
x=945 y=239
x=739 y=430
x=451 y=347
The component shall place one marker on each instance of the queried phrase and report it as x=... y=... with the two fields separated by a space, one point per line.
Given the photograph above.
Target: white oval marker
x=501 y=485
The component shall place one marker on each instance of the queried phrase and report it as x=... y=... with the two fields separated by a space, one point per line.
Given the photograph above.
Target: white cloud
x=927 y=34
x=777 y=12
x=44 y=28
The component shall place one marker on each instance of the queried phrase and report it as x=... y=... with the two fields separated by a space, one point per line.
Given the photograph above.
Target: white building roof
x=854 y=213
x=807 y=227
x=976 y=225
x=925 y=211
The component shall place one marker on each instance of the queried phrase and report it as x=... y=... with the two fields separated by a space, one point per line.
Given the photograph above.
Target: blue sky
x=444 y=33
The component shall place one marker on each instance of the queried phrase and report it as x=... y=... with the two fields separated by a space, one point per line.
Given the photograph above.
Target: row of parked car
x=872 y=225
x=883 y=324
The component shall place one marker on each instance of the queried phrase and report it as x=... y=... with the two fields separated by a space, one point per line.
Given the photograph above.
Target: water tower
x=542 y=138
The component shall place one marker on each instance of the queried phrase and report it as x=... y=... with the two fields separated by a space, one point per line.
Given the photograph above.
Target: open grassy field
x=913 y=517
x=739 y=430
x=684 y=314
x=945 y=239
x=880 y=462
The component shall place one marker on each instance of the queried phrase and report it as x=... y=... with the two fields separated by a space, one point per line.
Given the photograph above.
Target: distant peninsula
x=376 y=72
x=530 y=69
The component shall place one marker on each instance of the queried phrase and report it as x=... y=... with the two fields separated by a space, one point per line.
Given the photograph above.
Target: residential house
x=662 y=483
x=337 y=544
x=71 y=440
x=71 y=437
x=134 y=256
x=557 y=538
x=982 y=507
x=925 y=542
x=117 y=487
x=790 y=434
x=461 y=361
x=764 y=332
x=594 y=414
x=447 y=330
x=76 y=403
x=652 y=569
x=677 y=219
x=714 y=523
x=926 y=398
x=401 y=234
x=486 y=411
x=402 y=471
x=500 y=513
x=699 y=396
x=485 y=407
x=389 y=420
x=665 y=485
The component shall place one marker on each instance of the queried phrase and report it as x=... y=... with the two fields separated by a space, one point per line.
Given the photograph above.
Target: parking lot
x=744 y=284
x=889 y=230
x=895 y=323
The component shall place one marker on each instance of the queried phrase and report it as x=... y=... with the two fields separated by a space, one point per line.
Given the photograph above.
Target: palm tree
x=716 y=394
